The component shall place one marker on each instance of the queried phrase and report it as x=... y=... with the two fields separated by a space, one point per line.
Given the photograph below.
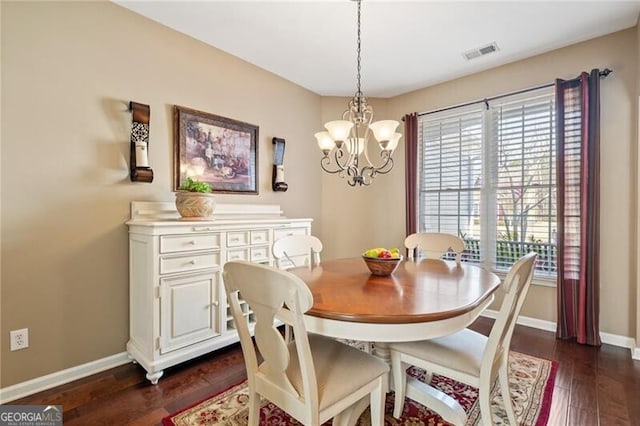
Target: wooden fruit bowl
x=381 y=266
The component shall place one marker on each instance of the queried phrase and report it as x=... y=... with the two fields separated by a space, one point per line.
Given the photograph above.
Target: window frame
x=488 y=191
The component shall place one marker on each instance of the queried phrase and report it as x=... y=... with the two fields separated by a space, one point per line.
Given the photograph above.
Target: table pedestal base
x=447 y=407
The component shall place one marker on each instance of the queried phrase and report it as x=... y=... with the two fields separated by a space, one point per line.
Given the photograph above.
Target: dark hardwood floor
x=594 y=386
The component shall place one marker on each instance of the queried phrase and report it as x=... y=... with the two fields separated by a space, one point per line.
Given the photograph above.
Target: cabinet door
x=189 y=309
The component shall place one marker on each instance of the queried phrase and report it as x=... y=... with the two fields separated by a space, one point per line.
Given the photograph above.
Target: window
x=488 y=176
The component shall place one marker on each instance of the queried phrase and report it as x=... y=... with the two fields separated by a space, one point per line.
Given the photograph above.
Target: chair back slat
x=272 y=294
x=289 y=251
x=433 y=245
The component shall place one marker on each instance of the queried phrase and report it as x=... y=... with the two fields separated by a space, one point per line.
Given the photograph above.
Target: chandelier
x=345 y=143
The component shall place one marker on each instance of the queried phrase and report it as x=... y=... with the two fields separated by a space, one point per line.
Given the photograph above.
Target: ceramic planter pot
x=195 y=204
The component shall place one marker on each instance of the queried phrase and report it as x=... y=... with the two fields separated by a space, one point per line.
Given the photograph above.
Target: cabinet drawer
x=260 y=236
x=189 y=263
x=238 y=254
x=190 y=242
x=259 y=253
x=240 y=238
x=286 y=232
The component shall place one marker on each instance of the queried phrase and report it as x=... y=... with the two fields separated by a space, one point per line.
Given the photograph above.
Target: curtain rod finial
x=605 y=72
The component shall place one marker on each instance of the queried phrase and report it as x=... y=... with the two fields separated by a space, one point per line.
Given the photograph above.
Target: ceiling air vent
x=481 y=51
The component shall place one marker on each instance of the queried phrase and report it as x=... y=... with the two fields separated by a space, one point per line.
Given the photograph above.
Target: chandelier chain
x=359 y=92
x=345 y=143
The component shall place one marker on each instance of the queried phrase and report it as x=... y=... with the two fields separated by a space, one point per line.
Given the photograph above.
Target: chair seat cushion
x=340 y=369
x=460 y=353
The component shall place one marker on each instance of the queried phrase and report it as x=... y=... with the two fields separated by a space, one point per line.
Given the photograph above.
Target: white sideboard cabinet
x=177 y=303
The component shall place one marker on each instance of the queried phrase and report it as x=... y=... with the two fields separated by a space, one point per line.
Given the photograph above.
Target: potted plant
x=194 y=199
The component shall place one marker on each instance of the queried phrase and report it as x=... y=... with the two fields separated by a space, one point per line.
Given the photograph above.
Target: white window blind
x=572 y=193
x=450 y=174
x=488 y=176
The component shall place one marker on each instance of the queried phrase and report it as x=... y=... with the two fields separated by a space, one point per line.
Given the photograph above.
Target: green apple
x=371 y=253
x=374 y=252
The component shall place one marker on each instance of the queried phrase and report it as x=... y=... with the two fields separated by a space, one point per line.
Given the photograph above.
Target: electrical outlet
x=19 y=339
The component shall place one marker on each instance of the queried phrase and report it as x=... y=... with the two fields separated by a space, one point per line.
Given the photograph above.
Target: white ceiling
x=406 y=45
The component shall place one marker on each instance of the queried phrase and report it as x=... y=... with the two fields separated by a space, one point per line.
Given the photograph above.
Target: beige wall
x=618 y=119
x=637 y=181
x=69 y=70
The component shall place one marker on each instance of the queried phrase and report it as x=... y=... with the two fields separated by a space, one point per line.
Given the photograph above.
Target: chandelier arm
x=325 y=161
x=367 y=136
x=384 y=169
x=386 y=160
x=338 y=155
x=366 y=153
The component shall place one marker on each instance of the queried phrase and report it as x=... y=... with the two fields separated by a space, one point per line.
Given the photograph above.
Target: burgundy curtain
x=578 y=171
x=411 y=169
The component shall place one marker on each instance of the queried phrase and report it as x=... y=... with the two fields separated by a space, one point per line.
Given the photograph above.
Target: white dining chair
x=312 y=378
x=467 y=356
x=433 y=245
x=297 y=250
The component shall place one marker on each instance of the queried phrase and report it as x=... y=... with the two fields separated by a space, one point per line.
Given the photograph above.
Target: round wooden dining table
x=422 y=299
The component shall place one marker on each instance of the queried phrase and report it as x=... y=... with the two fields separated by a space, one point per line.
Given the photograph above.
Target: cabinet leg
x=154 y=377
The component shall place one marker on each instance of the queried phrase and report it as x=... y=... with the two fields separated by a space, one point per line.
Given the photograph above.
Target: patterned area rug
x=532 y=380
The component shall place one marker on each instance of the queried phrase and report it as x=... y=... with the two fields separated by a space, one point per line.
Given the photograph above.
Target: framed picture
x=215 y=149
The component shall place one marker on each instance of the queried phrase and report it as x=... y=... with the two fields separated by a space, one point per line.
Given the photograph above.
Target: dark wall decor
x=215 y=149
x=139 y=149
x=277 y=178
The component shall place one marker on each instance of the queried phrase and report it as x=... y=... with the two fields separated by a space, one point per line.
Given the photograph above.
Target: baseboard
x=52 y=380
x=39 y=384
x=608 y=338
x=526 y=321
x=617 y=340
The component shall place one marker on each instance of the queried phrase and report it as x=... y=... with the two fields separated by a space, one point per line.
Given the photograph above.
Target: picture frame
x=217 y=150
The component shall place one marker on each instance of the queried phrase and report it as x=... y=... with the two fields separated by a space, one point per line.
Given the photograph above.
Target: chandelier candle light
x=348 y=139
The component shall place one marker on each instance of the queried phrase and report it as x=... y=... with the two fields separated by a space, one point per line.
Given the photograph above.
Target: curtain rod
x=604 y=73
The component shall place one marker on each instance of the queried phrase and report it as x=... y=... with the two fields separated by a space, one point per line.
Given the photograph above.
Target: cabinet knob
x=214 y=303
x=192 y=242
x=193 y=262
